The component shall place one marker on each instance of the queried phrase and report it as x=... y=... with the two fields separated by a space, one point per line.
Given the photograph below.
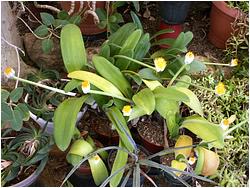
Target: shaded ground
x=197 y=22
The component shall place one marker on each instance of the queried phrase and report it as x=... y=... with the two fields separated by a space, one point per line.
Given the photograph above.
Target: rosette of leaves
x=26 y=152
x=43 y=102
x=51 y=25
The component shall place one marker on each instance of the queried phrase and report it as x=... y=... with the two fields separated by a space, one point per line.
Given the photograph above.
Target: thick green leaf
x=131 y=41
x=196 y=66
x=24 y=111
x=72 y=48
x=167 y=41
x=6 y=113
x=170 y=93
x=163 y=31
x=205 y=130
x=47 y=18
x=119 y=18
x=124 y=64
x=81 y=147
x=65 y=119
x=112 y=74
x=72 y=84
x=60 y=23
x=47 y=45
x=136 y=5
x=152 y=84
x=148 y=74
x=17 y=120
x=16 y=94
x=185 y=81
x=42 y=31
x=4 y=95
x=98 y=169
x=142 y=47
x=116 y=117
x=120 y=161
x=96 y=80
x=145 y=100
x=136 y=20
x=193 y=102
x=105 y=50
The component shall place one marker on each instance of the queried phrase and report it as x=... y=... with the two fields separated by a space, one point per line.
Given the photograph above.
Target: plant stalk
x=176 y=75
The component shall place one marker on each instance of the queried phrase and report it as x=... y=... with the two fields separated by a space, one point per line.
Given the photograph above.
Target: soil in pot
x=143 y=153
x=98 y=124
x=151 y=134
x=166 y=160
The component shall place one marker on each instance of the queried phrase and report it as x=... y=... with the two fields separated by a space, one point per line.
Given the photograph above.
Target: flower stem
x=111 y=95
x=235 y=127
x=201 y=87
x=135 y=61
x=218 y=64
x=45 y=86
x=177 y=74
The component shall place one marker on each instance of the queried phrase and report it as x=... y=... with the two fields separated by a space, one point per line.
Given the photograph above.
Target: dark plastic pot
x=221 y=17
x=82 y=177
x=130 y=180
x=175 y=182
x=174 y=12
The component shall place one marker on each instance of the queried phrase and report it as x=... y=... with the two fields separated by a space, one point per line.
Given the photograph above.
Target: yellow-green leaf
x=183 y=140
x=205 y=130
x=152 y=84
x=65 y=119
x=145 y=100
x=193 y=102
x=96 y=80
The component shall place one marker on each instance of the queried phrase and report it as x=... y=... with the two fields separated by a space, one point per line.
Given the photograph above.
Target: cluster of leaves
x=13 y=112
x=43 y=102
x=233 y=168
x=113 y=19
x=20 y=154
x=50 y=26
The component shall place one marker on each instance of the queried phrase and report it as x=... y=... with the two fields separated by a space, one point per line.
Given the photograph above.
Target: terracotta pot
x=221 y=17
x=87 y=26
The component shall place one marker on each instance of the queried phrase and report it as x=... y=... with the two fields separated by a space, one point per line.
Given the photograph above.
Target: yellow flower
x=189 y=57
x=160 y=64
x=9 y=72
x=220 y=89
x=234 y=62
x=191 y=160
x=127 y=110
x=85 y=86
x=226 y=122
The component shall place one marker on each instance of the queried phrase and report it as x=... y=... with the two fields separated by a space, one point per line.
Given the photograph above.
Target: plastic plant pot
x=174 y=12
x=175 y=182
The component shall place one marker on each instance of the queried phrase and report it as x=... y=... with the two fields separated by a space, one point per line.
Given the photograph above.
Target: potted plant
x=23 y=156
x=42 y=102
x=222 y=16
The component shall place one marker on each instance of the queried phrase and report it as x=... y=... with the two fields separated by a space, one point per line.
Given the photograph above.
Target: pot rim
x=223 y=7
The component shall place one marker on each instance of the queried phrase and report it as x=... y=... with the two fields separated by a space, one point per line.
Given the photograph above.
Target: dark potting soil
x=151 y=131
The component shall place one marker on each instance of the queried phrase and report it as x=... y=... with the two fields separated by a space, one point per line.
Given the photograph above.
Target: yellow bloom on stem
x=9 y=72
x=160 y=64
x=191 y=160
x=85 y=87
x=220 y=89
x=127 y=110
x=189 y=57
x=234 y=62
x=226 y=122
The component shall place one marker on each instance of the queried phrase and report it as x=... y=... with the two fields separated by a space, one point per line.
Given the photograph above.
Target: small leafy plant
x=24 y=154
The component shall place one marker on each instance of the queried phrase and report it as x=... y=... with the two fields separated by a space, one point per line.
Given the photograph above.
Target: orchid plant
x=127 y=82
